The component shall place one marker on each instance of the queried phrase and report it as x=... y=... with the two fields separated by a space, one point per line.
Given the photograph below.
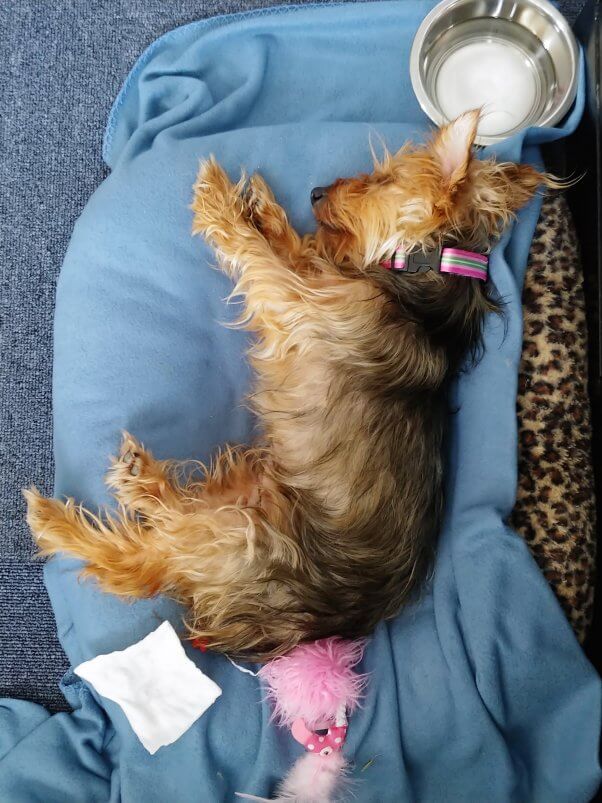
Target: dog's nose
x=317 y=193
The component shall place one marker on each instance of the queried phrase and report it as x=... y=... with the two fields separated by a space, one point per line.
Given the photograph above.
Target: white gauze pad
x=158 y=687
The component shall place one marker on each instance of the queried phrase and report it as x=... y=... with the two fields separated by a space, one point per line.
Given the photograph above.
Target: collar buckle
x=419 y=261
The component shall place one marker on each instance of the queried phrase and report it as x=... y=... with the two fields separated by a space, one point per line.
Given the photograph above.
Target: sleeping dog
x=328 y=524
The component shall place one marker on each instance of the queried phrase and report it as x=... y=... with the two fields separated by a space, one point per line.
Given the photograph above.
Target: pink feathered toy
x=313 y=689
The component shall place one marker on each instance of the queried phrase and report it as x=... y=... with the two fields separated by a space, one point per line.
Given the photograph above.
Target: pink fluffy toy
x=313 y=689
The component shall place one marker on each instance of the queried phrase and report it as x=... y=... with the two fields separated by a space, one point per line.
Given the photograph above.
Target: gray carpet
x=62 y=65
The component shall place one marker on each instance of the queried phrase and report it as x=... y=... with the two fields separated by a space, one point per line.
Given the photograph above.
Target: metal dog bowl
x=515 y=59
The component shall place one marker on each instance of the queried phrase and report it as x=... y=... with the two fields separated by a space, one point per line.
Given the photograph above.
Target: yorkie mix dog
x=327 y=525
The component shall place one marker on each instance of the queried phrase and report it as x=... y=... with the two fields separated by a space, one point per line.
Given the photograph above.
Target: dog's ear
x=520 y=182
x=498 y=190
x=451 y=148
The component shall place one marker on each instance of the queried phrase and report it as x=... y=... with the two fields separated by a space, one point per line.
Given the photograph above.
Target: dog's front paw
x=268 y=217
x=218 y=204
x=259 y=200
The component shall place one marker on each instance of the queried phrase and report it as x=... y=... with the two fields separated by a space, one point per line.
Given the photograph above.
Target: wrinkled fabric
x=478 y=691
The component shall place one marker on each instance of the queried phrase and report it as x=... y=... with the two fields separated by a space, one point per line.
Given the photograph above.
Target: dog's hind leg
x=120 y=552
x=138 y=558
x=156 y=488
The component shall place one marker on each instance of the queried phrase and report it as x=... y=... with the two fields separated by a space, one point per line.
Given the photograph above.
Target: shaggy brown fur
x=328 y=525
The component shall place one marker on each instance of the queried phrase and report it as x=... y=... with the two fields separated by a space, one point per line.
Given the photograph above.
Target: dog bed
x=479 y=690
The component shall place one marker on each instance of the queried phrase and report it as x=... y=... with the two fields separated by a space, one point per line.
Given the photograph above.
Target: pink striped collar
x=446 y=260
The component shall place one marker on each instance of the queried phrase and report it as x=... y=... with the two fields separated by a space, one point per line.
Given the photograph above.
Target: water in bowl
x=492 y=75
x=491 y=64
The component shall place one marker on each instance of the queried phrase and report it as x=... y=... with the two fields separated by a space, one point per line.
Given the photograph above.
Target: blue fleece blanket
x=479 y=691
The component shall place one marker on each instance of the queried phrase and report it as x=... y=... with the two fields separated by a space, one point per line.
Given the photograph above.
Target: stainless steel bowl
x=518 y=59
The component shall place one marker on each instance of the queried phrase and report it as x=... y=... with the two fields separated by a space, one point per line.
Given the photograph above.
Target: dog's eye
x=322 y=732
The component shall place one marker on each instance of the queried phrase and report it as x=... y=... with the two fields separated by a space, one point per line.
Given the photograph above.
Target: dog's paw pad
x=131 y=456
x=132 y=461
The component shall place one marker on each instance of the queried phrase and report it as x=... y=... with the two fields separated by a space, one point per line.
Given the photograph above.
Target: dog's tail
x=119 y=551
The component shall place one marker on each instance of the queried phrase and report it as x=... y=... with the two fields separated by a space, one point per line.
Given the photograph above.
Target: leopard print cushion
x=555 y=505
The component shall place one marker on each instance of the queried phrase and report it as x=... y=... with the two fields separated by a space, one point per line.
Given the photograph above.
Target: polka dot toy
x=333 y=738
x=313 y=689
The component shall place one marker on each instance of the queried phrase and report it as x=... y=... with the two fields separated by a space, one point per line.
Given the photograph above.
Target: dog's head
x=422 y=196
x=426 y=197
